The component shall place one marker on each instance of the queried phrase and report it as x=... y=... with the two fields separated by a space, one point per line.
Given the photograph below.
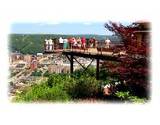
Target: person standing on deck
x=92 y=42
x=69 y=42
x=50 y=45
x=83 y=40
x=79 y=42
x=107 y=43
x=74 y=42
x=65 y=44
x=46 y=44
x=60 y=43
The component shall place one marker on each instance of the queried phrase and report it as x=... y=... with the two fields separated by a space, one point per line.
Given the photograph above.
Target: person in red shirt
x=83 y=40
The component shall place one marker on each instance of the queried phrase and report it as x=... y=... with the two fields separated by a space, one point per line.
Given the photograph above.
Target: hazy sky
x=61 y=28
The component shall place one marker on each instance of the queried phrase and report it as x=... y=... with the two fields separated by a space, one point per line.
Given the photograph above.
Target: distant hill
x=33 y=43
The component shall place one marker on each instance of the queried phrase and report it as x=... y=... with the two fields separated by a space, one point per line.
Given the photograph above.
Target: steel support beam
x=71 y=66
x=97 y=70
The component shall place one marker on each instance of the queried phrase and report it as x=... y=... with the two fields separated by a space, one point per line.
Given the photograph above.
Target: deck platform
x=91 y=53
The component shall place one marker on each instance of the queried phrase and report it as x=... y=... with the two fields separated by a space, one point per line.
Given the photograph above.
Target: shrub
x=56 y=94
x=122 y=95
x=83 y=86
x=46 y=74
x=86 y=87
x=62 y=87
x=126 y=96
x=54 y=79
x=42 y=92
x=36 y=73
x=32 y=93
x=69 y=85
x=90 y=72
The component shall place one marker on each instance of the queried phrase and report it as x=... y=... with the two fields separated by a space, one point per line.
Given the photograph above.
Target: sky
x=60 y=28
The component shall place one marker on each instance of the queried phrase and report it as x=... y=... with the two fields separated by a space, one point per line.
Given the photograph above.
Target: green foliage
x=83 y=87
x=127 y=96
x=32 y=93
x=55 y=79
x=61 y=87
x=13 y=74
x=122 y=95
x=46 y=74
x=36 y=73
x=41 y=92
x=136 y=99
x=86 y=87
x=26 y=44
x=90 y=72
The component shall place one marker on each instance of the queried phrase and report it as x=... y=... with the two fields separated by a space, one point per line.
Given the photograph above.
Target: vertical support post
x=97 y=69
x=71 y=64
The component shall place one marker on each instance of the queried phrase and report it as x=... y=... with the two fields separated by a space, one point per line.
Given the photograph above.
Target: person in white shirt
x=74 y=42
x=61 y=42
x=50 y=44
x=46 y=44
x=107 y=42
x=79 y=42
